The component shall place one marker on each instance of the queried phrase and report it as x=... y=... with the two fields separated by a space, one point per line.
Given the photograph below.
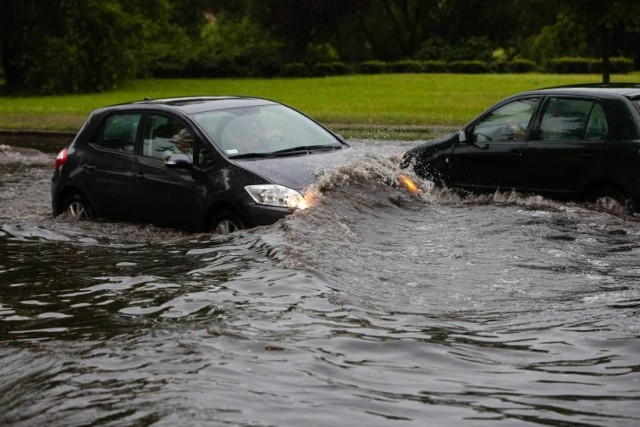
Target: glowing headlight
x=276 y=195
x=409 y=184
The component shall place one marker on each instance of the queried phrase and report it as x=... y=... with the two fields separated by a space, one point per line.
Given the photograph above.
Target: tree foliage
x=71 y=46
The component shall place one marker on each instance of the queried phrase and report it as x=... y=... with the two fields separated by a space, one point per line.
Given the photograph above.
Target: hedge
x=224 y=67
x=296 y=69
x=372 y=67
x=435 y=67
x=469 y=67
x=570 y=65
x=407 y=66
x=331 y=69
x=515 y=66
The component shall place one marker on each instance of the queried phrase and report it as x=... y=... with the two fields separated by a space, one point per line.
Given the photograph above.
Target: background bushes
x=261 y=66
x=515 y=66
x=372 y=67
x=83 y=46
x=408 y=66
x=469 y=67
x=588 y=65
x=331 y=69
x=434 y=66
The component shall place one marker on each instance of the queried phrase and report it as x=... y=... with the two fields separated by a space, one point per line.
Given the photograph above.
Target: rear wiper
x=307 y=148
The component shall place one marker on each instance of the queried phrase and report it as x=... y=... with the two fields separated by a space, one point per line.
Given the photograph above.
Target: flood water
x=373 y=308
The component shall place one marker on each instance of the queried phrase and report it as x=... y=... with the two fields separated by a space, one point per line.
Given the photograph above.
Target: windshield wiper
x=287 y=151
x=250 y=155
x=307 y=148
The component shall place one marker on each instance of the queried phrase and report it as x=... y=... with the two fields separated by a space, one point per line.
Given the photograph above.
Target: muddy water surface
x=372 y=308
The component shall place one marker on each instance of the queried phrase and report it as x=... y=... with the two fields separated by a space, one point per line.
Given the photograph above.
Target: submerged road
x=372 y=308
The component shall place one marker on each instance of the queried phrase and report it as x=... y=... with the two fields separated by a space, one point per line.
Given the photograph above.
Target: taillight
x=61 y=158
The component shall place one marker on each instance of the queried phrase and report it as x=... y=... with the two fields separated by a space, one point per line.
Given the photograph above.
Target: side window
x=597 y=127
x=508 y=122
x=164 y=135
x=119 y=132
x=566 y=119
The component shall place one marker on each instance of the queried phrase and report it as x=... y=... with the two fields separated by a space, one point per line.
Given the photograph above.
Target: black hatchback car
x=578 y=142
x=199 y=163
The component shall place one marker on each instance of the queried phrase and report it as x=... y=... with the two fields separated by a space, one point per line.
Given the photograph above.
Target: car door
x=108 y=163
x=567 y=146
x=492 y=157
x=167 y=196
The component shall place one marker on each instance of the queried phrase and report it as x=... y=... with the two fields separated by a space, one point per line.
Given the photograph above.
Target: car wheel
x=612 y=200
x=77 y=207
x=226 y=222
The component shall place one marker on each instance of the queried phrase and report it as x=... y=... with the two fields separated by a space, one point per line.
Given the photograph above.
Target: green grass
x=349 y=103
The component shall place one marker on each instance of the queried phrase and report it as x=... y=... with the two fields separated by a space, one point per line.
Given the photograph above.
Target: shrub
x=622 y=65
x=467 y=49
x=434 y=67
x=571 y=65
x=169 y=70
x=264 y=67
x=372 y=67
x=406 y=66
x=589 y=65
x=211 y=67
x=498 y=67
x=296 y=69
x=469 y=67
x=331 y=69
x=520 y=66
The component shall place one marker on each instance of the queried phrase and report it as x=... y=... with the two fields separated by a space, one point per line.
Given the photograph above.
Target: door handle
x=587 y=156
x=139 y=176
x=89 y=168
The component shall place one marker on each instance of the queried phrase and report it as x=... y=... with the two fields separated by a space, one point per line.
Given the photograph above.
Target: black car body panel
x=121 y=161
x=567 y=142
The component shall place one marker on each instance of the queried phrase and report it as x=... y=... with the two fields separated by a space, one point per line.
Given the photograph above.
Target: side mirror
x=178 y=161
x=462 y=135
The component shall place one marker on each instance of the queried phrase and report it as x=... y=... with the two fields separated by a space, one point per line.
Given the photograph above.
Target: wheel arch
x=218 y=207
x=602 y=183
x=65 y=194
x=610 y=187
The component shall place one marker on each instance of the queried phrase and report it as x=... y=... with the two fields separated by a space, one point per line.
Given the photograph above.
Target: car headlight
x=276 y=195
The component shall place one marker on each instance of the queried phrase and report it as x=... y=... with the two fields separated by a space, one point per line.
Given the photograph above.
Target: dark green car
x=577 y=142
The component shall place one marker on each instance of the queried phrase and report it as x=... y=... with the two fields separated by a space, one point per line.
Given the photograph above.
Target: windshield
x=264 y=130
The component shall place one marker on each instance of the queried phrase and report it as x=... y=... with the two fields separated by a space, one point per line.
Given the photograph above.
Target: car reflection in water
x=204 y=164
x=578 y=142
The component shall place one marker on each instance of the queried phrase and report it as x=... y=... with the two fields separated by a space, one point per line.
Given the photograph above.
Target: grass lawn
x=350 y=104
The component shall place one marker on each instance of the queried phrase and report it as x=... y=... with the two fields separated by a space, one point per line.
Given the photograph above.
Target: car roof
x=194 y=104
x=629 y=90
